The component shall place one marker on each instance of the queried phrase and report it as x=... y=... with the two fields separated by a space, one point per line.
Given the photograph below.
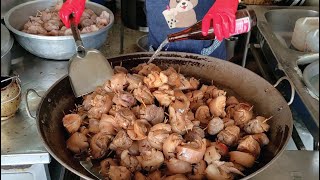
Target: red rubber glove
x=223 y=15
x=72 y=6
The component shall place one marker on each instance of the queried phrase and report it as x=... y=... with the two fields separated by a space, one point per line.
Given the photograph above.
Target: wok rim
x=185 y=57
x=55 y=38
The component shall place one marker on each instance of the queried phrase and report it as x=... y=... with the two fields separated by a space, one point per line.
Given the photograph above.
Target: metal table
x=21 y=147
x=293 y=165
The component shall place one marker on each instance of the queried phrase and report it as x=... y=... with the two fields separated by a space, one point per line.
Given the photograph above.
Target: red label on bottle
x=242 y=26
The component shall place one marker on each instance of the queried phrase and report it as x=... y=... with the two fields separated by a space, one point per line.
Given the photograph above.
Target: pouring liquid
x=164 y=43
x=245 y=20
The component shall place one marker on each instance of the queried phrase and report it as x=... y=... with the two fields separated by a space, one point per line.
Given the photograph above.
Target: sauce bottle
x=245 y=20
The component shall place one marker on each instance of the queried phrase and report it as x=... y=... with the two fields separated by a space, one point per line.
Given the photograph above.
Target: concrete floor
x=112 y=46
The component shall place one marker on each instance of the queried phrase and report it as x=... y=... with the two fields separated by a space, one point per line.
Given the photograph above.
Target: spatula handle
x=76 y=35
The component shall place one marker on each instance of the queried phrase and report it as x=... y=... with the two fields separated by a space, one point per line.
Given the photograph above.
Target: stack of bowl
x=6 y=45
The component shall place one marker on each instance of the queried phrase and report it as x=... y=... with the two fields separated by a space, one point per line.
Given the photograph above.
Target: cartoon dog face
x=183 y=5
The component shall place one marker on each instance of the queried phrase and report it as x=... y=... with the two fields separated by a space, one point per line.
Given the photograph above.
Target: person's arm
x=223 y=16
x=75 y=7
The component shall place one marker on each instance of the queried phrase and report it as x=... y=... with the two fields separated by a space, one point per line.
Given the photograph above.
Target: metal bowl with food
x=53 y=47
x=265 y=98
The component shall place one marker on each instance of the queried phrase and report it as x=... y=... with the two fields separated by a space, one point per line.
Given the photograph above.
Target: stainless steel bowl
x=142 y=43
x=311 y=77
x=52 y=47
x=6 y=45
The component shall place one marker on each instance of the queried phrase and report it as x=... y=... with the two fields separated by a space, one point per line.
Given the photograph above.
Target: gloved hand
x=223 y=15
x=72 y=6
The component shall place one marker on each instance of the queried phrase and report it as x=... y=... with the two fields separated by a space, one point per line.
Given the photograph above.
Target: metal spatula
x=88 y=68
x=89 y=167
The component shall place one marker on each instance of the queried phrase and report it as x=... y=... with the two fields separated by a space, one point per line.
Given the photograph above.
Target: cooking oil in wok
x=165 y=42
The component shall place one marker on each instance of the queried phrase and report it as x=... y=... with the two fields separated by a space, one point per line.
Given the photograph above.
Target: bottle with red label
x=245 y=20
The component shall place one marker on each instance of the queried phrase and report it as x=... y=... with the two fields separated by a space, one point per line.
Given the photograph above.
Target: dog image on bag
x=180 y=13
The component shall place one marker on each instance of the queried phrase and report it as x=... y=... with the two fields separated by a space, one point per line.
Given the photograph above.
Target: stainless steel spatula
x=89 y=167
x=88 y=68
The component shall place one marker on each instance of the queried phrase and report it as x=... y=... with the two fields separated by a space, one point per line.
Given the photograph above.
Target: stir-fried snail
x=149 y=124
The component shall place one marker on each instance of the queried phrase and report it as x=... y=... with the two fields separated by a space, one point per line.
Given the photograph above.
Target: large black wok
x=266 y=99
